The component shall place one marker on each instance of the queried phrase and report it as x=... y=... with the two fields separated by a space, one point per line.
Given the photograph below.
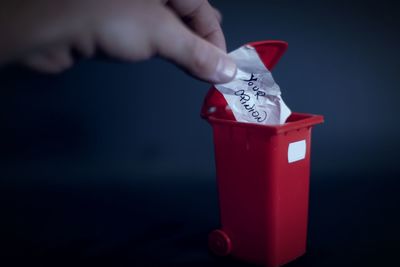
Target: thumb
x=174 y=41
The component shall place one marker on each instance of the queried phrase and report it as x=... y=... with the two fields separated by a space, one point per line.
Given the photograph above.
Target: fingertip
x=225 y=71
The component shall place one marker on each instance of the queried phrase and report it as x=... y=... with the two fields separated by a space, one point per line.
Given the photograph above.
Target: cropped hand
x=43 y=34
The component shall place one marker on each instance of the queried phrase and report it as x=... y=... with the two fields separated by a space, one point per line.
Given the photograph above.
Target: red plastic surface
x=263 y=197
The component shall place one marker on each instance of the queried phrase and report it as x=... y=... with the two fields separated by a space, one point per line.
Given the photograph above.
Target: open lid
x=269 y=52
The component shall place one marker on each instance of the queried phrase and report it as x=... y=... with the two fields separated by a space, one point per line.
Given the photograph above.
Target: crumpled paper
x=253 y=95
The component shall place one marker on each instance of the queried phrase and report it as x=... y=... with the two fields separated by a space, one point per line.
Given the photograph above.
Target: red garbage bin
x=263 y=179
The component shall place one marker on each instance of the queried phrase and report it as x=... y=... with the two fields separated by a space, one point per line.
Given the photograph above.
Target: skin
x=42 y=34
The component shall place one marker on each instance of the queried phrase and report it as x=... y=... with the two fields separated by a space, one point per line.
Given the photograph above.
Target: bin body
x=263 y=184
x=263 y=197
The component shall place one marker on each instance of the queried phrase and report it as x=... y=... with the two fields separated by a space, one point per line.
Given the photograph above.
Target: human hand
x=186 y=32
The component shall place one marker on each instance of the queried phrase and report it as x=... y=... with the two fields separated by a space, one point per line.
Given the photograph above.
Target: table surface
x=131 y=220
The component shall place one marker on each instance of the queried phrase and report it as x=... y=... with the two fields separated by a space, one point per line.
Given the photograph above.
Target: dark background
x=110 y=164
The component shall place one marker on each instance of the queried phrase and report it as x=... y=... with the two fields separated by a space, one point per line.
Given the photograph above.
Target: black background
x=110 y=164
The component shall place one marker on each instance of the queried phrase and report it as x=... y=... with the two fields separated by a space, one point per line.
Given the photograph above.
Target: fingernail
x=226 y=70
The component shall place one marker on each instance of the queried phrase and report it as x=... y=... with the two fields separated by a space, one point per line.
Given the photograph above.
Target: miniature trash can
x=263 y=179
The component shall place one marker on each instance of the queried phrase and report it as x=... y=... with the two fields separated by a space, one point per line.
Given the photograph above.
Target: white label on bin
x=297 y=151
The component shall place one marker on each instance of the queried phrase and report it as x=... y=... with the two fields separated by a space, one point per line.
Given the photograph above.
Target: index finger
x=201 y=17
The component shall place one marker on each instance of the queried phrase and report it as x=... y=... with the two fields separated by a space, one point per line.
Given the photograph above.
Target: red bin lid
x=269 y=51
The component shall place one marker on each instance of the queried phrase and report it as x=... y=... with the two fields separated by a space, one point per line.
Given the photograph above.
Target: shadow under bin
x=263 y=179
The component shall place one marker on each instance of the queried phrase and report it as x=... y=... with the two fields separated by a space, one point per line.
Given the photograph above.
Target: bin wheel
x=219 y=243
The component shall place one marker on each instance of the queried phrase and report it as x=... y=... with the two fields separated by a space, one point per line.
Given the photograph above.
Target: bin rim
x=302 y=120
